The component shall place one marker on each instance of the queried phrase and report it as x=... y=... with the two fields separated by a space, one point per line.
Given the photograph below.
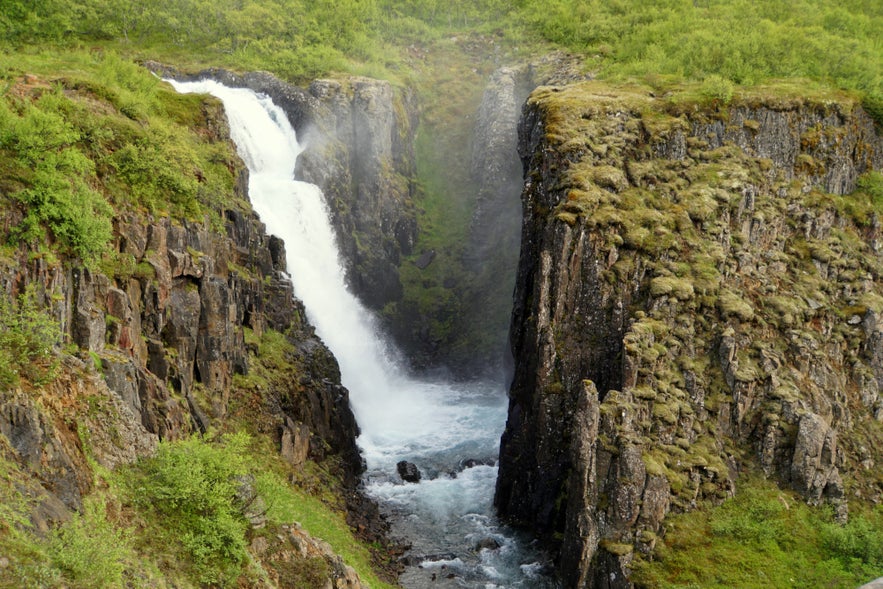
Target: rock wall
x=693 y=299
x=360 y=151
x=159 y=327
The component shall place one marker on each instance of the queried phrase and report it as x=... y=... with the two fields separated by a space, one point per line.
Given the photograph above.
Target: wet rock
x=488 y=543
x=408 y=471
x=425 y=259
x=473 y=462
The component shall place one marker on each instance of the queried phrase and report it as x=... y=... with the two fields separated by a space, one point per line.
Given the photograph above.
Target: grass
x=764 y=537
x=288 y=504
x=87 y=135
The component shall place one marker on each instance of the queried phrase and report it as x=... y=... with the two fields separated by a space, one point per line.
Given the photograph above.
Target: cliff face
x=168 y=330
x=694 y=297
x=359 y=151
x=158 y=337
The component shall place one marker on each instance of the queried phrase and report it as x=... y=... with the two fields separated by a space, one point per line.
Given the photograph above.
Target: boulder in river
x=408 y=471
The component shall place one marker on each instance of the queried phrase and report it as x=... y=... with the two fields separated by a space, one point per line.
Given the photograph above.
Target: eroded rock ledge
x=693 y=298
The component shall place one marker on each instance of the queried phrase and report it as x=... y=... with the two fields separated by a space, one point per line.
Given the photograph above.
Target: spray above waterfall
x=441 y=427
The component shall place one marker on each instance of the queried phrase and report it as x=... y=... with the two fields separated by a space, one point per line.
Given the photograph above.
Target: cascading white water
x=448 y=517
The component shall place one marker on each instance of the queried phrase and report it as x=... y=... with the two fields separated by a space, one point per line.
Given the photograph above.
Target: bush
x=858 y=541
x=193 y=485
x=28 y=334
x=89 y=551
x=871 y=184
x=717 y=90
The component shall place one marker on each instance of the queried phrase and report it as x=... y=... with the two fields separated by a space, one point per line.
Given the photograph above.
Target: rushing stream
x=450 y=431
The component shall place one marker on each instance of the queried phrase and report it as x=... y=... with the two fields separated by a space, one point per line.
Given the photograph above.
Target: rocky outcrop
x=171 y=335
x=409 y=472
x=293 y=558
x=693 y=299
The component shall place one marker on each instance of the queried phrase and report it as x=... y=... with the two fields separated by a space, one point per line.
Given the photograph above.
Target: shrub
x=717 y=89
x=88 y=550
x=871 y=183
x=192 y=485
x=859 y=540
x=28 y=334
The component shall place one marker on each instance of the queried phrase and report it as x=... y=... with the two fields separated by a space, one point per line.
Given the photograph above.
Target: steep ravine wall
x=694 y=298
x=154 y=343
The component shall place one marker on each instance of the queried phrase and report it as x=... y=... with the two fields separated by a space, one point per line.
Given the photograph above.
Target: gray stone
x=295 y=444
x=408 y=471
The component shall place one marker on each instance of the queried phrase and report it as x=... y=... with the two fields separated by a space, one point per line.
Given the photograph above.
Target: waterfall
x=450 y=431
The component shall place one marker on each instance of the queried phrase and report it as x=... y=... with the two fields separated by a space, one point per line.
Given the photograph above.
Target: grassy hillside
x=745 y=41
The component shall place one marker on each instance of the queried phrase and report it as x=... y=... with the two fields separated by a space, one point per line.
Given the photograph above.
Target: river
x=450 y=431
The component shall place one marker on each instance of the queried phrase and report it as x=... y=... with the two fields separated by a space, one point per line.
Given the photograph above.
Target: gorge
x=449 y=431
x=548 y=295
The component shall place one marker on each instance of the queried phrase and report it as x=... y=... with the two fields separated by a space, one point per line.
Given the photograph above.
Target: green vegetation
x=55 y=176
x=89 y=551
x=286 y=503
x=743 y=42
x=28 y=336
x=92 y=549
x=195 y=495
x=765 y=537
x=177 y=519
x=193 y=488
x=84 y=136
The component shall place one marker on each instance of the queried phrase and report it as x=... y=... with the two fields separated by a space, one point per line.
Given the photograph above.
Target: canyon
x=696 y=297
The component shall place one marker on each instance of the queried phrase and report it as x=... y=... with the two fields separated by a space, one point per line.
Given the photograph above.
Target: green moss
x=669 y=285
x=732 y=305
x=616 y=548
